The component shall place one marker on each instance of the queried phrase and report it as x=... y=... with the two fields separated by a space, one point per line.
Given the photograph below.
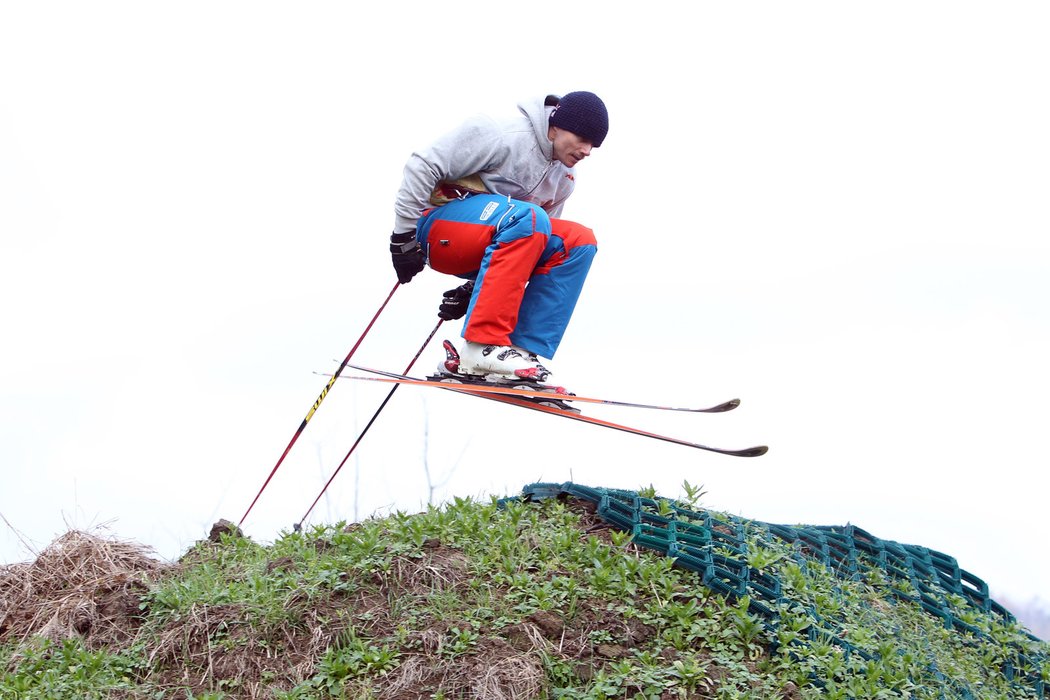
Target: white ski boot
x=497 y=363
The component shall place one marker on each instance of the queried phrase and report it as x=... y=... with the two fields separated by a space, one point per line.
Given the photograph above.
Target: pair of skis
x=553 y=400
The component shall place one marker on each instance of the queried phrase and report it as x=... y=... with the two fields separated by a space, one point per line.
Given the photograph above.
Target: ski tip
x=723 y=407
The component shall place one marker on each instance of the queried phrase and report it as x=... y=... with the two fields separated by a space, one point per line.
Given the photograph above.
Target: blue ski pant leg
x=554 y=288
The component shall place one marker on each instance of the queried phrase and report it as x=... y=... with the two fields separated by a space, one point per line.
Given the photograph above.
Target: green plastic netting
x=721 y=549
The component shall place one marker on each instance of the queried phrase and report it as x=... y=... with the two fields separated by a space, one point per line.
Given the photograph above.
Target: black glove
x=455 y=301
x=407 y=256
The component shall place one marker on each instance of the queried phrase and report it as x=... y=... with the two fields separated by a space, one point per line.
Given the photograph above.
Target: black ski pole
x=299 y=525
x=313 y=409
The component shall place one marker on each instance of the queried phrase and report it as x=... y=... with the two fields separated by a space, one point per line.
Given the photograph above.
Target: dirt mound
x=81 y=585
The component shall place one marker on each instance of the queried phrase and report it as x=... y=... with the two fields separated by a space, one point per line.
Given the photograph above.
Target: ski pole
x=299 y=525
x=313 y=409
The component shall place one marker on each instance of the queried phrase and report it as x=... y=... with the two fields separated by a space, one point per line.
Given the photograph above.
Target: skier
x=482 y=203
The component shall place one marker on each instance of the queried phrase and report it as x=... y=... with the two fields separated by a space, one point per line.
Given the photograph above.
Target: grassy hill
x=573 y=593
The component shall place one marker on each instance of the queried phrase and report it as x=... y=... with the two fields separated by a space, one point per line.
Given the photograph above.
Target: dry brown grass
x=495 y=671
x=80 y=585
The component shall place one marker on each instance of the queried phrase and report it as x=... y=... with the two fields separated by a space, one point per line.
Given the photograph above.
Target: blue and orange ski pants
x=529 y=269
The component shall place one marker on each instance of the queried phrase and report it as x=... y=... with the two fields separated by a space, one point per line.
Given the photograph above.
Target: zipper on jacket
x=541 y=180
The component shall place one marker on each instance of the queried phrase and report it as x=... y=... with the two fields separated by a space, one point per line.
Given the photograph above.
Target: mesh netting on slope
x=716 y=546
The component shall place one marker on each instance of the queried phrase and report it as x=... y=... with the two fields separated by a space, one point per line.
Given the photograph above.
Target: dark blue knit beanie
x=584 y=114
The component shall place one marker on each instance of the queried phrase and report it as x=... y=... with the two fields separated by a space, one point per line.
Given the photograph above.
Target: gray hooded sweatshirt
x=511 y=155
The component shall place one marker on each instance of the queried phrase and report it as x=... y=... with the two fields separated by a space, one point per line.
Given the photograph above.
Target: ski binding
x=448 y=373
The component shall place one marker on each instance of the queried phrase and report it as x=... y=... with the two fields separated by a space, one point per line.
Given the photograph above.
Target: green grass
x=524 y=599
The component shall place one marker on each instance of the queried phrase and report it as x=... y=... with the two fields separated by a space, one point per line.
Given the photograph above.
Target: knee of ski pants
x=457 y=235
x=566 y=236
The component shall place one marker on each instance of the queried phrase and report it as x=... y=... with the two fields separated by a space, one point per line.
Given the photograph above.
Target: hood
x=539 y=114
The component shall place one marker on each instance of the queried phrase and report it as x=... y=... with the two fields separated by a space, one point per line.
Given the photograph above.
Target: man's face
x=569 y=148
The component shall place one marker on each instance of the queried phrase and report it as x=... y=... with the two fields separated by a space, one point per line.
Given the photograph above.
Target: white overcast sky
x=836 y=211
